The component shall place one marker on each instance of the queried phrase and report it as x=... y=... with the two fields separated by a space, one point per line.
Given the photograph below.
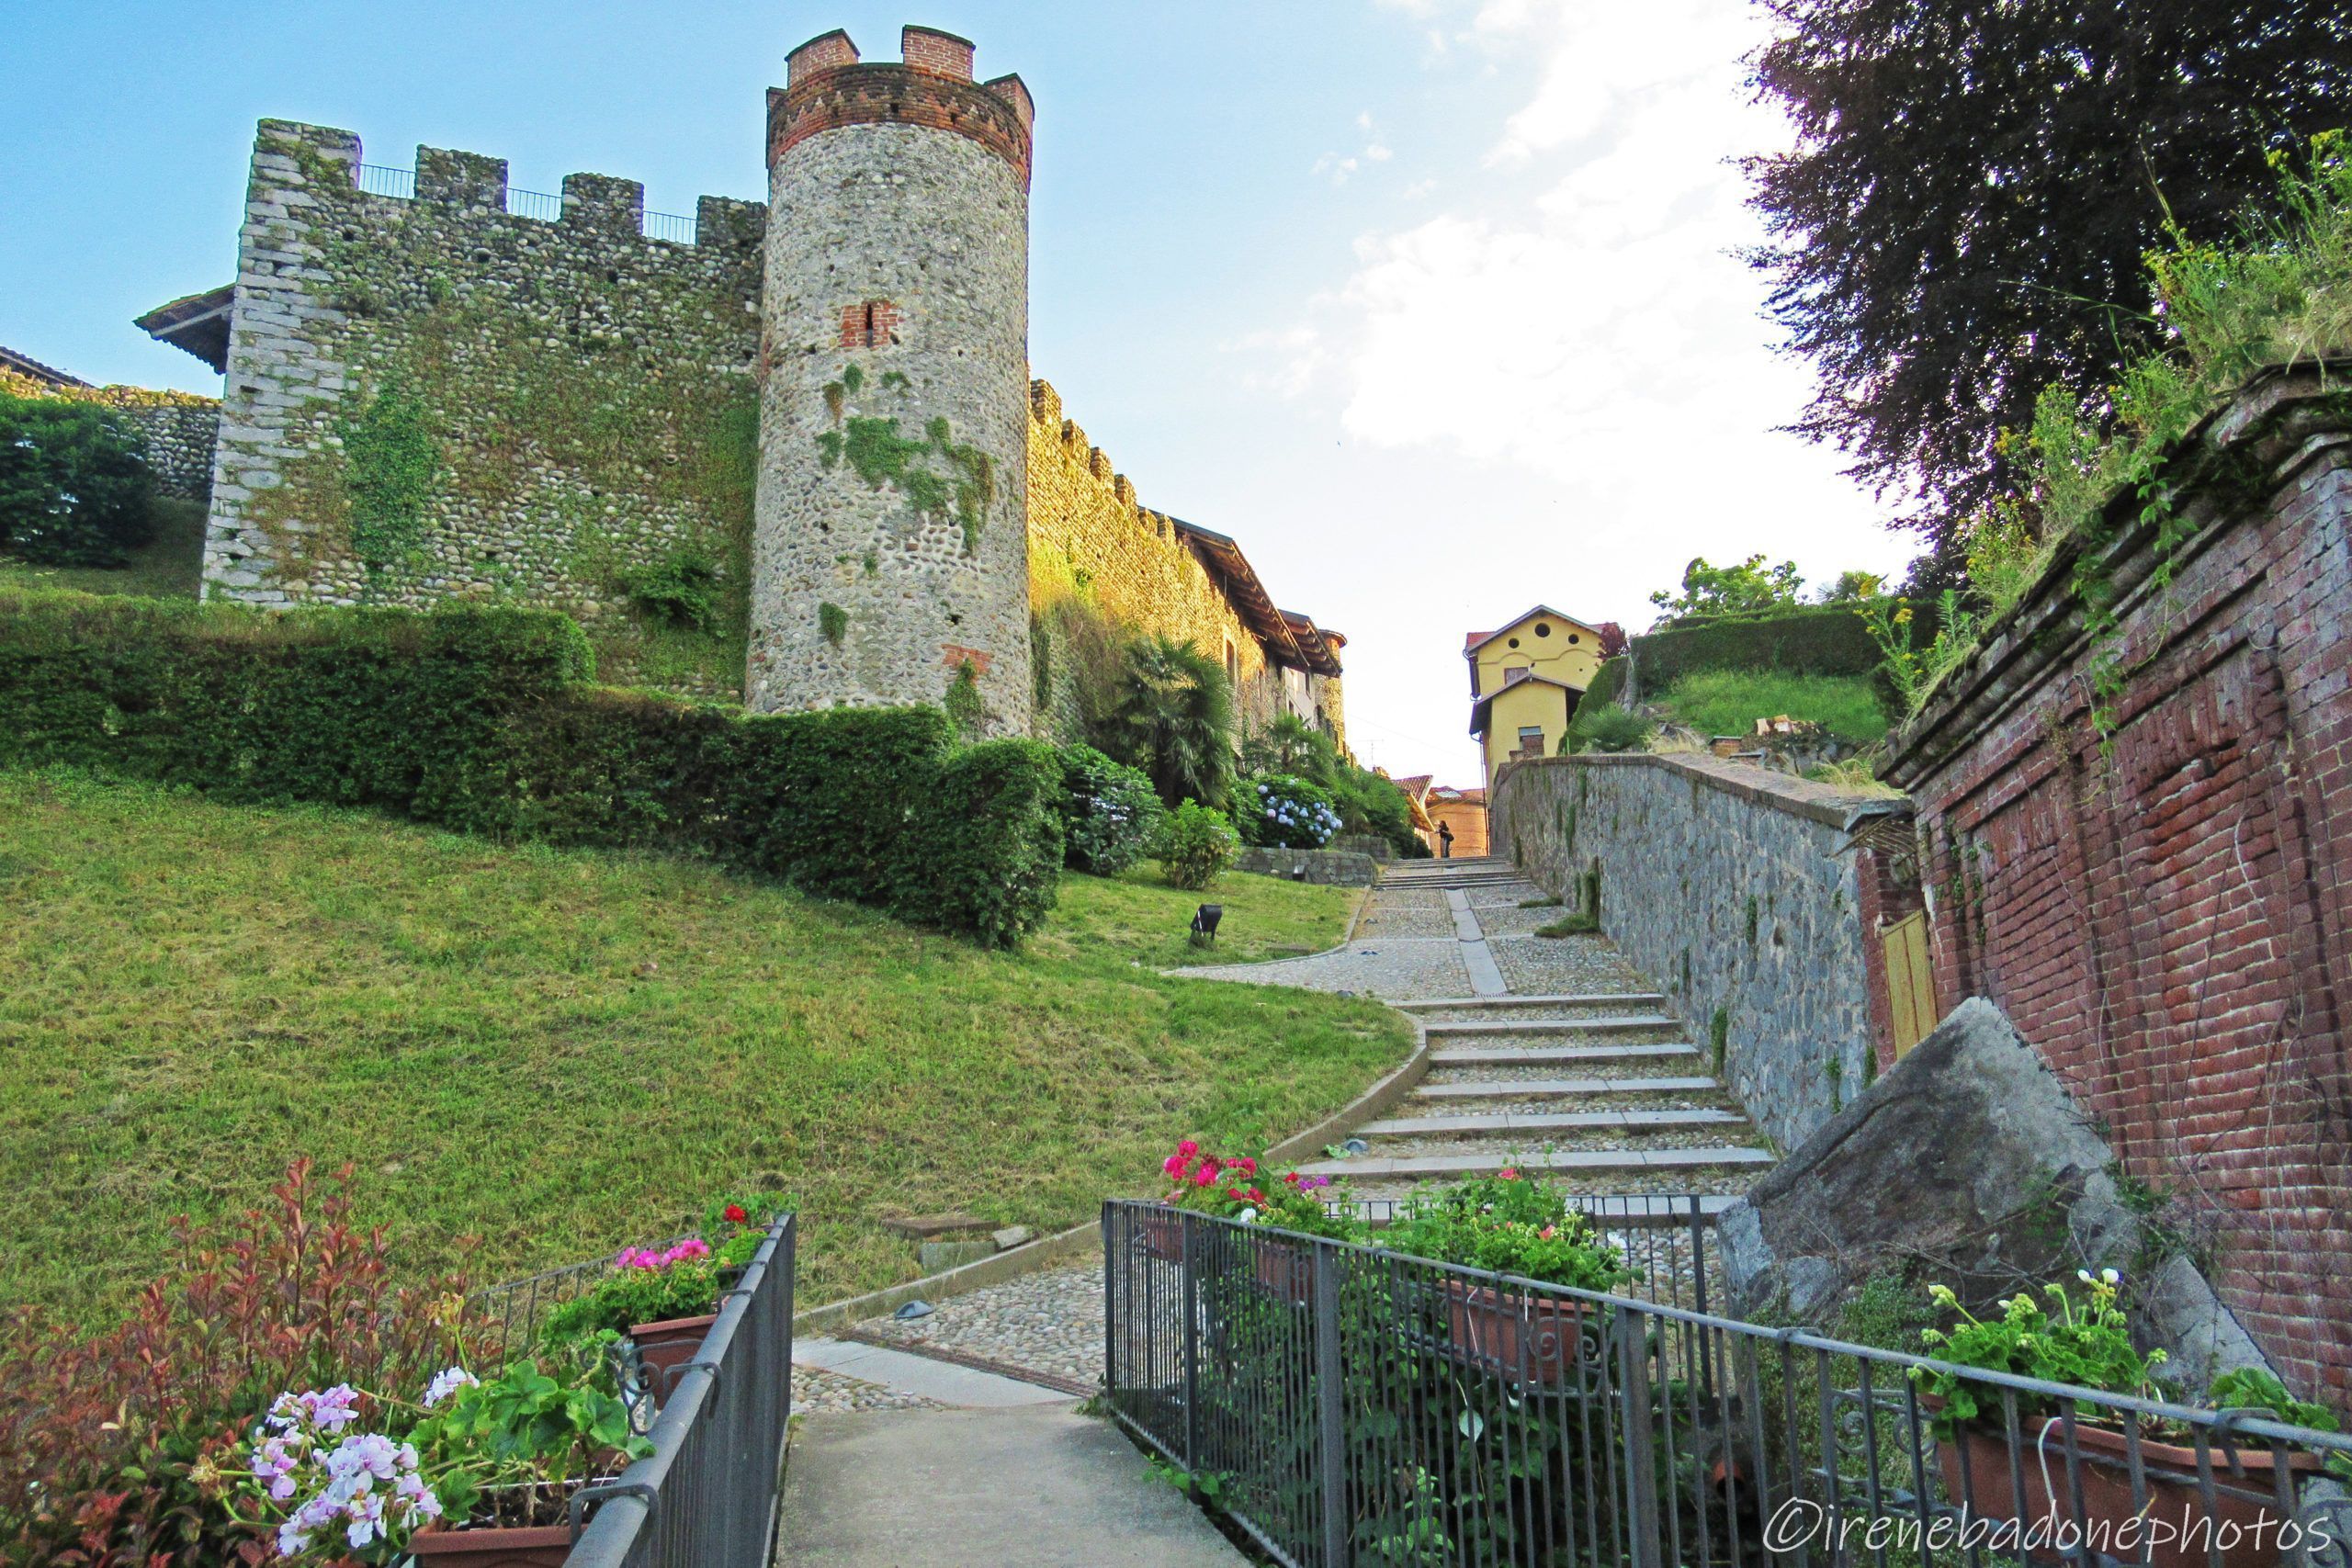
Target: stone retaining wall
x=1330 y=868
x=1741 y=893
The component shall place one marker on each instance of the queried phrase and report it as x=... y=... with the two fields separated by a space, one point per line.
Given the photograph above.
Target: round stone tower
x=889 y=551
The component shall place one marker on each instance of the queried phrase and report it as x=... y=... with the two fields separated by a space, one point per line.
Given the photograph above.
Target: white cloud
x=1577 y=311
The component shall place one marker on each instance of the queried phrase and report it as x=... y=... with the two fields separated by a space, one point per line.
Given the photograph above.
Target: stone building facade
x=789 y=451
x=2159 y=896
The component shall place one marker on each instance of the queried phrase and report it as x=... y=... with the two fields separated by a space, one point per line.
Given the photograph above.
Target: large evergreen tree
x=1964 y=216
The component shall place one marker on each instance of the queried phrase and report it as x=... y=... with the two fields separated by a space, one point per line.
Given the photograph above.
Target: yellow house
x=1525 y=678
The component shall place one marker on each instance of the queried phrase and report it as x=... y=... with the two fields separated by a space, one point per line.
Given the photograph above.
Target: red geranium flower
x=735 y=1213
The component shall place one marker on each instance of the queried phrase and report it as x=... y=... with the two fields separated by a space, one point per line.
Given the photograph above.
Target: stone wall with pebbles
x=1740 y=891
x=431 y=397
x=175 y=430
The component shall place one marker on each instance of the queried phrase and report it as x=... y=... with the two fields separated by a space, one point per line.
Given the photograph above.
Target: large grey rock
x=1968 y=1165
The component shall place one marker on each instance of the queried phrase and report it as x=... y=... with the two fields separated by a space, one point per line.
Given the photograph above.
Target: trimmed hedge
x=481 y=720
x=1827 y=639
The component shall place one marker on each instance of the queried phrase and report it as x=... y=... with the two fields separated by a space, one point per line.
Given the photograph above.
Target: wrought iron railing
x=546 y=207
x=1345 y=1405
x=708 y=1494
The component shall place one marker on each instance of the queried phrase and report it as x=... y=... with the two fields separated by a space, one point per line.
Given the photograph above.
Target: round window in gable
x=1572 y=639
x=1514 y=642
x=1543 y=630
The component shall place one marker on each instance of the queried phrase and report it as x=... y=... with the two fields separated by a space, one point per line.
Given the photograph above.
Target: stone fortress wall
x=175 y=430
x=429 y=395
x=1091 y=540
x=437 y=387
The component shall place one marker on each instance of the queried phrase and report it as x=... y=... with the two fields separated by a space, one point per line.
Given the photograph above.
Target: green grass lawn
x=1729 y=702
x=562 y=1052
x=169 y=566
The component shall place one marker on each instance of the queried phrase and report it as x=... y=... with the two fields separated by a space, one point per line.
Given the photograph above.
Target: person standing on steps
x=1445 y=840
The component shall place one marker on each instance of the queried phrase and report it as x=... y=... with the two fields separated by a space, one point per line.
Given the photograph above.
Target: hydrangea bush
x=1283 y=811
x=1110 y=812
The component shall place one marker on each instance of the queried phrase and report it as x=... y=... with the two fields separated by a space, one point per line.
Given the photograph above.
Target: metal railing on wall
x=545 y=207
x=708 y=1492
x=1345 y=1405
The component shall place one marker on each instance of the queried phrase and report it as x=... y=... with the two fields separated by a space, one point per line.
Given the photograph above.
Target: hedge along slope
x=483 y=719
x=1826 y=639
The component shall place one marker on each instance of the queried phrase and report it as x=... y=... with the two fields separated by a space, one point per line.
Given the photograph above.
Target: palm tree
x=1291 y=745
x=1175 y=720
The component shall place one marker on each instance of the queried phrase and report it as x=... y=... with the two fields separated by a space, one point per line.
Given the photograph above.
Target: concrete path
x=942 y=1383
x=1040 y=1487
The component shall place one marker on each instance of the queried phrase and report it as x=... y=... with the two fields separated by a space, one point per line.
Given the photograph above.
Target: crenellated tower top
x=827 y=86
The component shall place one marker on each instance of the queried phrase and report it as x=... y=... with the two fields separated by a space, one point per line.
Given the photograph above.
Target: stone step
x=1578 y=1162
x=1646 y=1002
x=1544 y=1055
x=1634 y=1211
x=1556 y=1088
x=1504 y=1123
x=1617 y=1023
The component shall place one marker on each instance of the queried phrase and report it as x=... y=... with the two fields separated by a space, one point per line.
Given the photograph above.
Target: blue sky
x=1426 y=301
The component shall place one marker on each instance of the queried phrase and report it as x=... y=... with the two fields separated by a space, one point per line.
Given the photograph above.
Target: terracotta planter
x=539 y=1546
x=1529 y=1338
x=1286 y=1272
x=669 y=1343
x=1163 y=1235
x=2174 y=1499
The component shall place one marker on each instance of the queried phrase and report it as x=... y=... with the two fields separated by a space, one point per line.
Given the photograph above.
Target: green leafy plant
x=1577 y=924
x=1285 y=812
x=1610 y=729
x=1744 y=587
x=873 y=448
x=391 y=464
x=1197 y=843
x=634 y=1294
x=1110 y=812
x=1509 y=1223
x=2086 y=1342
x=967 y=710
x=681 y=590
x=73 y=488
x=1174 y=720
x=833 y=622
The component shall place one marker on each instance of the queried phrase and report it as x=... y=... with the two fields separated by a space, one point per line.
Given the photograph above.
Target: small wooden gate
x=1910 y=981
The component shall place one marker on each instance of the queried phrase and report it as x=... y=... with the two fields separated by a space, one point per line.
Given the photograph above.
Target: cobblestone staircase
x=1597 y=1084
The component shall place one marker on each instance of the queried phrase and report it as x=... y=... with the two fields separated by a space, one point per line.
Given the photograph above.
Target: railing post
x=1113 y=1219
x=1330 y=1407
x=1699 y=1294
x=1641 y=1457
x=1189 y=1270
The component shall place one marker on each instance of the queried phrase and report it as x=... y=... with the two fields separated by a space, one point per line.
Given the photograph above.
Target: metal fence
x=1348 y=1406
x=707 y=1496
x=545 y=207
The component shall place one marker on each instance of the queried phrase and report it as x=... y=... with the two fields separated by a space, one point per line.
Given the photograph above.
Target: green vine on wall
x=879 y=454
x=964 y=708
x=391 y=464
x=833 y=622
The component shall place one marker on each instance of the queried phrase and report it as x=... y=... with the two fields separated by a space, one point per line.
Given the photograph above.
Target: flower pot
x=2174 y=1502
x=1527 y=1338
x=1162 y=1236
x=1285 y=1271
x=538 y=1546
x=672 y=1343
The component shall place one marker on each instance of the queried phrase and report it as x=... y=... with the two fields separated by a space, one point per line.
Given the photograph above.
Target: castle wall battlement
x=828 y=87
x=1093 y=545
x=432 y=395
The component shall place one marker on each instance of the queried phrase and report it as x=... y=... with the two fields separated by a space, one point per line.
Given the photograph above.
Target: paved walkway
x=1546 y=1052
x=1040 y=1487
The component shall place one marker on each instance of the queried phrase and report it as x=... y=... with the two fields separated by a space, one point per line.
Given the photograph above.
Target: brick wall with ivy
x=2137 y=801
x=431 y=397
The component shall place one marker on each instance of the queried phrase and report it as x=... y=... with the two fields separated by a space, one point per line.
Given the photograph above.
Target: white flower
x=445 y=1383
x=2111 y=1276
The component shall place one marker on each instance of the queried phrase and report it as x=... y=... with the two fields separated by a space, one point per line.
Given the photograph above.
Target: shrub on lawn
x=73 y=488
x=480 y=719
x=1281 y=811
x=1195 y=844
x=1110 y=811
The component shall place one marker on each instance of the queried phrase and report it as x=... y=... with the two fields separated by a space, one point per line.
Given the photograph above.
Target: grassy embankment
x=1729 y=702
x=562 y=1052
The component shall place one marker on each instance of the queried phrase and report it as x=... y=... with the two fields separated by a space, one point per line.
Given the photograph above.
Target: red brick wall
x=2168 y=918
x=995 y=116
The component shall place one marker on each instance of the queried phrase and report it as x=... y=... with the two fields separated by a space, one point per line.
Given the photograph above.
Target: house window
x=1530 y=740
x=1232 y=664
x=1514 y=672
x=874 y=325
x=1543 y=630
